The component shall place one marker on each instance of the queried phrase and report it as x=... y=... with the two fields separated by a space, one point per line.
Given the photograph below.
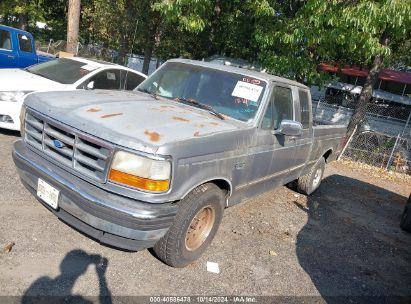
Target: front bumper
x=110 y=218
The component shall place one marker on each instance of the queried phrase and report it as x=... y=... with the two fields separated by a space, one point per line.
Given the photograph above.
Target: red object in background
x=386 y=74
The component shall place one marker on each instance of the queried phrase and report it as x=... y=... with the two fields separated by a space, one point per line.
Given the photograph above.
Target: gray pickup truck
x=156 y=167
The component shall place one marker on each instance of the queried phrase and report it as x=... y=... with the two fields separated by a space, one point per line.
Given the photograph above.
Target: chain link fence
x=92 y=51
x=384 y=138
x=96 y=51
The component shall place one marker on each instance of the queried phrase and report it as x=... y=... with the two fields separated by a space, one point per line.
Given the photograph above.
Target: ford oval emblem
x=58 y=144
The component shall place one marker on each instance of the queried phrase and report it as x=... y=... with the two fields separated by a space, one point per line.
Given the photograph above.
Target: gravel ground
x=344 y=240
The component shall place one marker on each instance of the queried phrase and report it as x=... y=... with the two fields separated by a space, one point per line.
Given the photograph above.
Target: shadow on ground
x=9 y=133
x=59 y=289
x=352 y=245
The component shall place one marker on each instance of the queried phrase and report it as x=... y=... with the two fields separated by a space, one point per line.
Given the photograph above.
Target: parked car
x=406 y=216
x=18 y=49
x=158 y=167
x=59 y=75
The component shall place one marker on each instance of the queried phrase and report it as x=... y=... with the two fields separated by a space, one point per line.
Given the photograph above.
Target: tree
x=73 y=26
x=20 y=13
x=360 y=32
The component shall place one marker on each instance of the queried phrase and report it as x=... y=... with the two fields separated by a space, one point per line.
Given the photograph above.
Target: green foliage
x=341 y=31
x=289 y=37
x=189 y=15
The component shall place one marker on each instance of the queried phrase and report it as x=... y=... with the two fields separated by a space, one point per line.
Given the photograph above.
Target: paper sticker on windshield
x=89 y=67
x=247 y=91
x=111 y=76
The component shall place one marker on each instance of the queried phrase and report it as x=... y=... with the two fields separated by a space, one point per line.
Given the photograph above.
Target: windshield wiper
x=200 y=105
x=152 y=94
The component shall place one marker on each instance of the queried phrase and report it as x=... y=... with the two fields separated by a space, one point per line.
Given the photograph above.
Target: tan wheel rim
x=200 y=228
x=317 y=177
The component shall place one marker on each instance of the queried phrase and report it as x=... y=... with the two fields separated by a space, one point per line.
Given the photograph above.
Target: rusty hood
x=131 y=119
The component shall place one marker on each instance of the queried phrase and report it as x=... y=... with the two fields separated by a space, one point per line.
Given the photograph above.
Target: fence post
x=347 y=143
x=392 y=152
x=406 y=124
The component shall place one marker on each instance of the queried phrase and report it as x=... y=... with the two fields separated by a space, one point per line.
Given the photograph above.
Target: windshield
x=234 y=95
x=62 y=70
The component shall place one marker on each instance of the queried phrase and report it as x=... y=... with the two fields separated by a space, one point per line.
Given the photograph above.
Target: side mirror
x=290 y=128
x=90 y=85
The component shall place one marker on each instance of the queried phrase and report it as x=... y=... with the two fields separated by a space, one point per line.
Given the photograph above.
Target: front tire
x=194 y=226
x=310 y=182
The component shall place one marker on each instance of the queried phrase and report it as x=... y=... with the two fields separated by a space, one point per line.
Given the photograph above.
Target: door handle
x=11 y=56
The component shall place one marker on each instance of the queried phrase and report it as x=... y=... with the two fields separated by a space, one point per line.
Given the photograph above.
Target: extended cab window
x=305 y=108
x=25 y=43
x=279 y=108
x=5 y=40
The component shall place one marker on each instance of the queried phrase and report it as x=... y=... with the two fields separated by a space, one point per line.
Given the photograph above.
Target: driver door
x=273 y=153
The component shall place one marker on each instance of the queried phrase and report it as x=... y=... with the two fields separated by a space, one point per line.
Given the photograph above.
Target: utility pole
x=73 y=26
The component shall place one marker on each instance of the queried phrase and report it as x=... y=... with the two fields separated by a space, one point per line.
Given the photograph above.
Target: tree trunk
x=23 y=21
x=148 y=52
x=73 y=26
x=122 y=53
x=150 y=42
x=366 y=93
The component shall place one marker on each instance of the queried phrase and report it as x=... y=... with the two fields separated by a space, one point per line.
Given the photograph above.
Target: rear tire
x=406 y=217
x=310 y=182
x=194 y=226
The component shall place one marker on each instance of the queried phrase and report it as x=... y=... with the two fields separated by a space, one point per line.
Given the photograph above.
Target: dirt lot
x=344 y=240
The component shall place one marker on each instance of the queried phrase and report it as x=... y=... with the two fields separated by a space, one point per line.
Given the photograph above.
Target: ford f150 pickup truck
x=18 y=49
x=158 y=166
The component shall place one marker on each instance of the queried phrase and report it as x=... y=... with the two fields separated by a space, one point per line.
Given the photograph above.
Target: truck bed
x=325 y=138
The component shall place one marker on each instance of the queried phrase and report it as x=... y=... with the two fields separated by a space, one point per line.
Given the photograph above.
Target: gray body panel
x=242 y=156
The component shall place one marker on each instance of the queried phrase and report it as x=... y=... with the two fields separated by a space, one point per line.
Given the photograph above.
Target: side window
x=5 y=40
x=25 y=43
x=131 y=80
x=279 y=108
x=305 y=108
x=283 y=105
x=268 y=117
x=107 y=80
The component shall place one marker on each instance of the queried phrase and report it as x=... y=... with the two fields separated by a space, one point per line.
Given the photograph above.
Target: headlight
x=12 y=96
x=140 y=172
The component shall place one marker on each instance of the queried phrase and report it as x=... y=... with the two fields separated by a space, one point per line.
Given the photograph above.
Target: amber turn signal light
x=138 y=182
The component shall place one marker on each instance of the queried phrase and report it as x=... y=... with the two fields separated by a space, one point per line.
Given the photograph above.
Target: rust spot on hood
x=215 y=123
x=93 y=110
x=180 y=119
x=196 y=134
x=154 y=136
x=111 y=115
x=167 y=107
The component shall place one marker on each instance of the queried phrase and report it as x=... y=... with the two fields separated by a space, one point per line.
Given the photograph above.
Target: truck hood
x=21 y=80
x=131 y=119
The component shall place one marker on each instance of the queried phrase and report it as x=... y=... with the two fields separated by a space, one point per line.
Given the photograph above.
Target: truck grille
x=82 y=153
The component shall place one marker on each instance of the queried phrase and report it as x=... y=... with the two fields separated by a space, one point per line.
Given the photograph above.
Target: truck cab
x=17 y=49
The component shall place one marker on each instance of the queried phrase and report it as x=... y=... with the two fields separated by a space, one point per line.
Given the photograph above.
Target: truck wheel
x=194 y=226
x=406 y=217
x=308 y=183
